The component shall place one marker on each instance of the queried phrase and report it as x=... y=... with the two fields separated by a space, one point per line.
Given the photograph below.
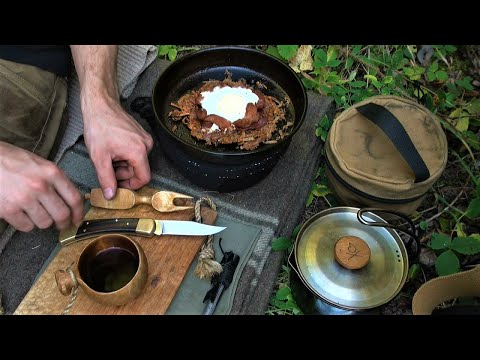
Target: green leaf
x=333 y=63
x=474 y=107
x=281 y=243
x=439 y=241
x=462 y=124
x=320 y=55
x=413 y=272
x=473 y=210
x=309 y=199
x=423 y=225
x=478 y=187
x=459 y=229
x=324 y=122
x=287 y=51
x=310 y=84
x=445 y=224
x=370 y=77
x=331 y=54
x=388 y=79
x=441 y=75
x=348 y=63
x=320 y=190
x=450 y=48
x=163 y=49
x=172 y=54
x=356 y=49
x=283 y=293
x=358 y=84
x=297 y=311
x=272 y=50
x=296 y=231
x=434 y=67
x=447 y=263
x=466 y=245
x=431 y=76
x=465 y=83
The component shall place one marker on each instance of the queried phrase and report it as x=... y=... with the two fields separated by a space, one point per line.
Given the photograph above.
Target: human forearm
x=96 y=67
x=117 y=144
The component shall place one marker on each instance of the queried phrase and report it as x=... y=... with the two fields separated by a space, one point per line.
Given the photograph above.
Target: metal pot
x=224 y=168
x=348 y=260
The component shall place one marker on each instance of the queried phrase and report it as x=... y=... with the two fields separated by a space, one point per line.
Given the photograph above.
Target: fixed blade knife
x=135 y=226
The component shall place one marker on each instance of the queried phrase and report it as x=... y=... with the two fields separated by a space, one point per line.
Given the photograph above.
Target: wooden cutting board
x=169 y=258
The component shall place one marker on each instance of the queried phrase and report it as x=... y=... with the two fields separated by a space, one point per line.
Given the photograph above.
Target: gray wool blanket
x=270 y=208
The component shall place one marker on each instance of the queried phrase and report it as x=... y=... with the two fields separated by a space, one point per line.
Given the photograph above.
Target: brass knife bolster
x=92 y=228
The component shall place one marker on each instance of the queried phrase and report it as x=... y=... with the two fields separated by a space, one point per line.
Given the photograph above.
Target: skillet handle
x=412 y=245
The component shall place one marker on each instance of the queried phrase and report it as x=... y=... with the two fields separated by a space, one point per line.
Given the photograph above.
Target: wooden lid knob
x=352 y=252
x=64 y=282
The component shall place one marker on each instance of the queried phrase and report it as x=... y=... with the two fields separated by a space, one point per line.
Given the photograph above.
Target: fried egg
x=228 y=102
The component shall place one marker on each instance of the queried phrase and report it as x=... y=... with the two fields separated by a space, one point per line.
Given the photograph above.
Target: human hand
x=118 y=147
x=34 y=191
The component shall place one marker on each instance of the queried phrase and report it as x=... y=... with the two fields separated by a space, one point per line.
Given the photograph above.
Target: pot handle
x=293 y=265
x=412 y=245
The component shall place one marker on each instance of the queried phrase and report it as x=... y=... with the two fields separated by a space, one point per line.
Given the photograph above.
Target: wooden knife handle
x=91 y=228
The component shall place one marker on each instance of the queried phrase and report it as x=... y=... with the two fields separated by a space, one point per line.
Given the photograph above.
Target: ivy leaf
x=272 y=50
x=163 y=49
x=281 y=243
x=423 y=225
x=439 y=241
x=283 y=293
x=473 y=210
x=172 y=54
x=287 y=51
x=466 y=245
x=309 y=83
x=441 y=75
x=447 y=263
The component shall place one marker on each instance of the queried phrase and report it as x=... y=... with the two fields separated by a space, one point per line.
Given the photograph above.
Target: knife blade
x=136 y=226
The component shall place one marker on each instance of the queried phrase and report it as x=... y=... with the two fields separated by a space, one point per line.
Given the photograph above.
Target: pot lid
x=350 y=264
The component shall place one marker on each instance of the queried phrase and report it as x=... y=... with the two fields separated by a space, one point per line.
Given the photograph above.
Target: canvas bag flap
x=364 y=156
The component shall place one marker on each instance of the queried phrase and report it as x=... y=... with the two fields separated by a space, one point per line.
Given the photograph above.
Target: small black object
x=221 y=282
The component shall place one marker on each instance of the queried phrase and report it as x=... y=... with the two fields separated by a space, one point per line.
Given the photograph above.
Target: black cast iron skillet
x=223 y=168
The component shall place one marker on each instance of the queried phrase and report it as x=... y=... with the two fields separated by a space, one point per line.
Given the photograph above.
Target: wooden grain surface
x=169 y=258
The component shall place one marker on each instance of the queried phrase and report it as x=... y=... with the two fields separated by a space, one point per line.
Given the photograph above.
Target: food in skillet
x=233 y=112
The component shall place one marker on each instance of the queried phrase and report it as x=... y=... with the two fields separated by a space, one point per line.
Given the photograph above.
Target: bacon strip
x=251 y=116
x=220 y=121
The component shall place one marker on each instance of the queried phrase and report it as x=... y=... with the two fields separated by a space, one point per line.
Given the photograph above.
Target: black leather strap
x=390 y=125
